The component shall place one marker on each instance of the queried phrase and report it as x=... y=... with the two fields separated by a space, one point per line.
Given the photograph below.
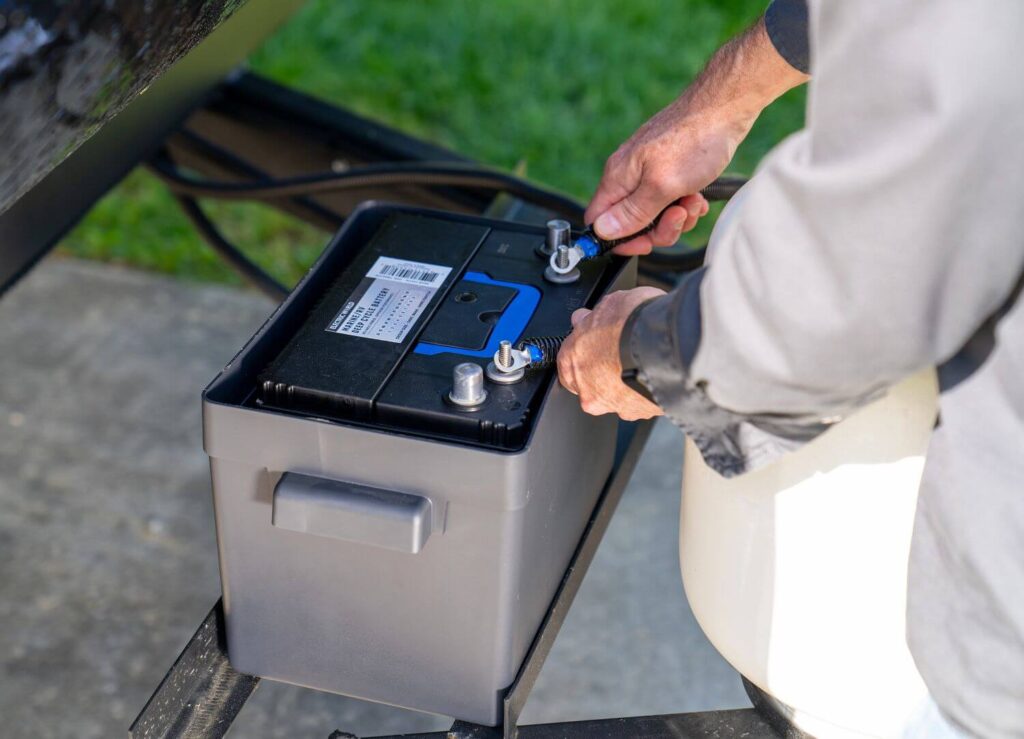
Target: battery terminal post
x=511 y=364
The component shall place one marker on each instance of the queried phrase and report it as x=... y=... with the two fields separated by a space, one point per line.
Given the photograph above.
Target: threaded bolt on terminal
x=505 y=354
x=562 y=260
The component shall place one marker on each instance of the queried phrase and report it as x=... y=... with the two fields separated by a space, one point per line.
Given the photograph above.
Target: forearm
x=742 y=78
x=689 y=143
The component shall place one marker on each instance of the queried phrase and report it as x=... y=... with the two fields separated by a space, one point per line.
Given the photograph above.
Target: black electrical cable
x=217 y=154
x=186 y=189
x=431 y=174
x=688 y=259
x=446 y=174
x=442 y=174
x=723 y=188
x=656 y=277
x=654 y=265
x=249 y=270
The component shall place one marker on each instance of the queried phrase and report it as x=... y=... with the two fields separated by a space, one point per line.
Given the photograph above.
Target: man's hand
x=683 y=148
x=589 y=364
x=668 y=160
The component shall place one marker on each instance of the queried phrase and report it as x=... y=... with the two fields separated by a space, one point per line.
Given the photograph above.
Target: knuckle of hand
x=668 y=184
x=617 y=160
x=664 y=235
x=654 y=187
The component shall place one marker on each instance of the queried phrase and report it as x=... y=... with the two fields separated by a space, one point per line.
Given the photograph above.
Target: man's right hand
x=664 y=165
x=667 y=161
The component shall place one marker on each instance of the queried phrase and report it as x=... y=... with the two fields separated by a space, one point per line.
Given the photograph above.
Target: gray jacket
x=885 y=237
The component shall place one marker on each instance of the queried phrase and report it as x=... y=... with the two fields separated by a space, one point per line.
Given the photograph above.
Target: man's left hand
x=589 y=364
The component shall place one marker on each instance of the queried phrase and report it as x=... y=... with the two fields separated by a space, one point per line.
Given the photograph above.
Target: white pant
x=929 y=723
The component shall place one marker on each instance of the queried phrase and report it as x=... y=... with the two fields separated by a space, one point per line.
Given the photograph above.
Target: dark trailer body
x=89 y=88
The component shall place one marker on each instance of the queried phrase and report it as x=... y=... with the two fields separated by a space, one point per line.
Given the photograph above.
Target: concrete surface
x=108 y=553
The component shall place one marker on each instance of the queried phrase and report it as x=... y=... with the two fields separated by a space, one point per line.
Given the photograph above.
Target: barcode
x=408 y=273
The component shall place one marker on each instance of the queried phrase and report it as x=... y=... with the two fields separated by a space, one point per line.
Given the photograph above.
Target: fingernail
x=608 y=226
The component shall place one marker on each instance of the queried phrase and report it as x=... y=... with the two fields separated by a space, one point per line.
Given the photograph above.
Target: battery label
x=392 y=295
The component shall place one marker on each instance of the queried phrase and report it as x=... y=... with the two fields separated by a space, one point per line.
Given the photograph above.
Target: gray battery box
x=374 y=541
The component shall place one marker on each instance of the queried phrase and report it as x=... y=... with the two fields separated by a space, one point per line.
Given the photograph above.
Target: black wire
x=249 y=270
x=186 y=189
x=665 y=280
x=685 y=261
x=442 y=174
x=432 y=174
x=655 y=264
x=723 y=188
x=219 y=155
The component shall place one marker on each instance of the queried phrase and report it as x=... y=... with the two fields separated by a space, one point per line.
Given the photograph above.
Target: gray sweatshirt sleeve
x=786 y=24
x=867 y=246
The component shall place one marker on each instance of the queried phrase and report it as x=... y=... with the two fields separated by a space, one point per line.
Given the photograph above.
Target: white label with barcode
x=412 y=273
x=389 y=299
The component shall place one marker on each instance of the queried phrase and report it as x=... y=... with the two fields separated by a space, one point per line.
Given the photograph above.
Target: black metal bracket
x=201 y=695
x=743 y=723
x=630 y=443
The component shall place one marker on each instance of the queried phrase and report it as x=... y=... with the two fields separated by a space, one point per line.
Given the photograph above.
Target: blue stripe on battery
x=510 y=326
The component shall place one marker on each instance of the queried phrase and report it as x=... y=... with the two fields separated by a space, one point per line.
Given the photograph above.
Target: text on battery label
x=389 y=299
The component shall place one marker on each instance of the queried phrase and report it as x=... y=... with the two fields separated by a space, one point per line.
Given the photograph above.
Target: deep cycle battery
x=377 y=539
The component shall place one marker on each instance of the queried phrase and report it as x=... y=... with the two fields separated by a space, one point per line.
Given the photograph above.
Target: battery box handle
x=351 y=512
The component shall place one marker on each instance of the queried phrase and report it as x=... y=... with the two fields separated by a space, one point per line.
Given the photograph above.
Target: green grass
x=552 y=86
